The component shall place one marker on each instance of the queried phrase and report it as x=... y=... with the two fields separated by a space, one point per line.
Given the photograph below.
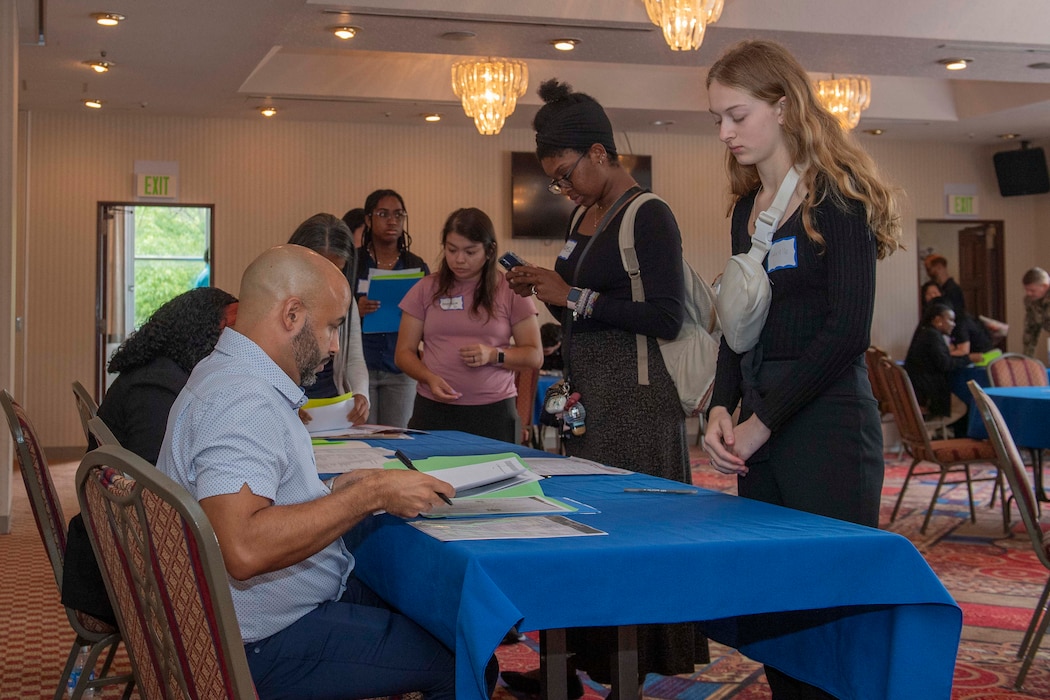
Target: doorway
x=146 y=255
x=975 y=253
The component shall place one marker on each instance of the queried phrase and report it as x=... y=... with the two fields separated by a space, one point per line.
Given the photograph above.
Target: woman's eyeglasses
x=560 y=184
x=399 y=215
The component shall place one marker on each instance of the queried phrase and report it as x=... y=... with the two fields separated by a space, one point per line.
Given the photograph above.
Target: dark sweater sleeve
x=658 y=244
x=849 y=254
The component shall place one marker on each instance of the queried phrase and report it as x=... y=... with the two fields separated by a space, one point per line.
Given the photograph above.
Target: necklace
x=385 y=265
x=599 y=208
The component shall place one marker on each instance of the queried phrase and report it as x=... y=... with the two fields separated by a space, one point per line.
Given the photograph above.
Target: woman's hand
x=750 y=435
x=720 y=442
x=366 y=306
x=359 y=413
x=477 y=355
x=546 y=285
x=441 y=390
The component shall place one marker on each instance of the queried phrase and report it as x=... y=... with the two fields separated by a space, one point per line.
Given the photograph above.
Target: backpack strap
x=629 y=258
x=768 y=221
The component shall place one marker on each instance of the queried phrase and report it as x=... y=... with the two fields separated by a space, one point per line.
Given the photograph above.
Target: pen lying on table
x=684 y=492
x=403 y=458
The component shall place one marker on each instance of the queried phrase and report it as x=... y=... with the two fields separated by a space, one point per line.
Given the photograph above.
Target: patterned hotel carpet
x=995 y=578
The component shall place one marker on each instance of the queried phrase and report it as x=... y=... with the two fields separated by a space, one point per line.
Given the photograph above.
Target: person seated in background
x=1036 y=307
x=153 y=363
x=929 y=364
x=550 y=339
x=346 y=372
x=466 y=316
x=310 y=627
x=970 y=335
x=937 y=269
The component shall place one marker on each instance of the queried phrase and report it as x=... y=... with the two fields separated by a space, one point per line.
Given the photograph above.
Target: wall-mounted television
x=535 y=212
x=1021 y=172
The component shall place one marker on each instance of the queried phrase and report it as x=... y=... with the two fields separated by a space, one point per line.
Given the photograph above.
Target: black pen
x=684 y=492
x=403 y=458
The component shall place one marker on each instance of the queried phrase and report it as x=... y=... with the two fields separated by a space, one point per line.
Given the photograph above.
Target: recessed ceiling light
x=564 y=44
x=268 y=111
x=108 y=19
x=874 y=132
x=662 y=122
x=345 y=31
x=431 y=116
x=458 y=36
x=100 y=66
x=1008 y=137
x=955 y=63
x=93 y=104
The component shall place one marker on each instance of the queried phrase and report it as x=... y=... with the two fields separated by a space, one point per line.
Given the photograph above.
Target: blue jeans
x=355 y=647
x=391 y=396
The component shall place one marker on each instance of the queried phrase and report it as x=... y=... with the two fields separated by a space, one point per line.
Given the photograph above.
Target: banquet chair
x=951 y=456
x=1011 y=465
x=525 y=380
x=87 y=407
x=871 y=358
x=98 y=429
x=1014 y=369
x=89 y=631
x=165 y=574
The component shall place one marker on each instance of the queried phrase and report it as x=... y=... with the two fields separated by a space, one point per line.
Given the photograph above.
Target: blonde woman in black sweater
x=808 y=435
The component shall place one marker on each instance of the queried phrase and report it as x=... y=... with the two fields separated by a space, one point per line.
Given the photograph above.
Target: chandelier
x=489 y=89
x=683 y=21
x=845 y=98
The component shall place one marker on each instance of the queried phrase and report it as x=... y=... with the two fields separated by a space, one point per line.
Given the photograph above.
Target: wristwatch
x=499 y=357
x=574 y=296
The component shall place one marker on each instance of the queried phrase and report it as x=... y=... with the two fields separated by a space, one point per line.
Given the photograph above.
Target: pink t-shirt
x=448 y=325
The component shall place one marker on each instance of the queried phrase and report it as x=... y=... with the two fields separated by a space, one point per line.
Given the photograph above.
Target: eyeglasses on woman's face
x=560 y=184
x=397 y=215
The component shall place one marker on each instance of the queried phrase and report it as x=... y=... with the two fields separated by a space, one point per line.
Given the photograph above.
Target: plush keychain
x=564 y=404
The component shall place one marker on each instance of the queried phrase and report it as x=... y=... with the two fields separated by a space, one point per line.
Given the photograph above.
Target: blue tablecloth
x=854 y=610
x=1026 y=410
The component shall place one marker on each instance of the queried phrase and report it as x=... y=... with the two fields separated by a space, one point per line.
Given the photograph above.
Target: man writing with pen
x=235 y=441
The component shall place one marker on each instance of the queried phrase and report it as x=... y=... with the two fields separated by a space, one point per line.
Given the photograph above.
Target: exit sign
x=157 y=185
x=962 y=205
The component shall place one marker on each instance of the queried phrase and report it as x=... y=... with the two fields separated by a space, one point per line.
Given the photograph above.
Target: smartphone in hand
x=509 y=260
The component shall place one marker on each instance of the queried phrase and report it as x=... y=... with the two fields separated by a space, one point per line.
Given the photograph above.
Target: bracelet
x=586 y=303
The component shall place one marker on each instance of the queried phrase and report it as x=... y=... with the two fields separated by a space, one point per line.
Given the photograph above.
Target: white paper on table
x=569 y=466
x=348 y=456
x=511 y=528
x=363 y=431
x=490 y=507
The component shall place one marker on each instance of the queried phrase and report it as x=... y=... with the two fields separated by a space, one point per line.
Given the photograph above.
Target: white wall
x=265 y=176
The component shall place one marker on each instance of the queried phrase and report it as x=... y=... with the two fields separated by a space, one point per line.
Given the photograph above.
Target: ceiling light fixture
x=955 y=63
x=874 y=132
x=564 y=44
x=93 y=104
x=845 y=98
x=345 y=31
x=683 y=21
x=268 y=111
x=431 y=116
x=108 y=19
x=489 y=89
x=1008 y=137
x=100 y=66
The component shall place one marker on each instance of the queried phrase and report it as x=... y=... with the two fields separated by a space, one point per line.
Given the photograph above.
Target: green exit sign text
x=962 y=205
x=163 y=186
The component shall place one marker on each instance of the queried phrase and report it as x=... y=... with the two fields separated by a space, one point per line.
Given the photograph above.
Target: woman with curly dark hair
x=154 y=363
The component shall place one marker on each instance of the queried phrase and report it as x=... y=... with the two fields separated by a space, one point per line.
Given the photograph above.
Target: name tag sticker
x=451 y=303
x=570 y=246
x=782 y=254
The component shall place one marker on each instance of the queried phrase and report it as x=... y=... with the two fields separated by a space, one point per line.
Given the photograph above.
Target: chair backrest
x=526 y=380
x=1014 y=369
x=162 y=566
x=87 y=407
x=872 y=356
x=47 y=508
x=905 y=407
x=1011 y=464
x=98 y=429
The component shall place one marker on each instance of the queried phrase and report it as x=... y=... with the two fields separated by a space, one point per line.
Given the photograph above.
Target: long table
x=854 y=610
x=1026 y=411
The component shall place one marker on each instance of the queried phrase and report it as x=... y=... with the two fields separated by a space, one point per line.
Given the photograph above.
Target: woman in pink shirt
x=466 y=316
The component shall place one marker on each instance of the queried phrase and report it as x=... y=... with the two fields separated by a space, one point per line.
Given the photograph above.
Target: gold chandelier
x=845 y=98
x=489 y=89
x=683 y=21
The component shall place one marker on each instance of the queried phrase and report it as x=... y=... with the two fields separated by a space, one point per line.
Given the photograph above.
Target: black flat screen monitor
x=535 y=212
x=1021 y=172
